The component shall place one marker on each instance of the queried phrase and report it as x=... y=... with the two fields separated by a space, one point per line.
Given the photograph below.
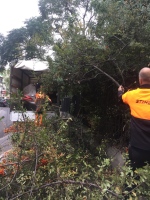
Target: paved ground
x=5 y=144
x=2 y=134
x=5 y=120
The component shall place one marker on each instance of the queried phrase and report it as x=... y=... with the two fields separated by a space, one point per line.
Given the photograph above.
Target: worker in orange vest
x=40 y=100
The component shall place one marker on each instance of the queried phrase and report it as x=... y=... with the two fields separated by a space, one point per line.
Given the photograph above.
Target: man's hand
x=121 y=89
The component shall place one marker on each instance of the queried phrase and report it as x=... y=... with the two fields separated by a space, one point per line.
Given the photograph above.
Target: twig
x=35 y=167
x=88 y=79
x=118 y=39
x=120 y=52
x=9 y=164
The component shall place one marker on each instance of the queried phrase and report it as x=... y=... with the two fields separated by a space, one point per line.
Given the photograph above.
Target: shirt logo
x=143 y=101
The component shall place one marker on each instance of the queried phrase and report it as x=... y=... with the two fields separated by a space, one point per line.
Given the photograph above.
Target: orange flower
x=2 y=171
x=43 y=162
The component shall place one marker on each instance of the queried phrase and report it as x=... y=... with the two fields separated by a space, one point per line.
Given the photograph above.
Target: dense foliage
x=100 y=36
x=55 y=162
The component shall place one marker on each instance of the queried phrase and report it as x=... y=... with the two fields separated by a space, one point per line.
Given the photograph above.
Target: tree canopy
x=84 y=41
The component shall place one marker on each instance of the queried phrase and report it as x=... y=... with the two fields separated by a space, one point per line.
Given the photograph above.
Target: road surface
x=5 y=143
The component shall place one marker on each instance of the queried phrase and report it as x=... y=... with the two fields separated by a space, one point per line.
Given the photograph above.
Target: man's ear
x=140 y=81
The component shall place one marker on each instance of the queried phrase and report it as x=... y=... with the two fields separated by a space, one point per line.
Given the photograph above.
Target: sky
x=13 y=13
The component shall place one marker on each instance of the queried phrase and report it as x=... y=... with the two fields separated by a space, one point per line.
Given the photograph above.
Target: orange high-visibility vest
x=139 y=103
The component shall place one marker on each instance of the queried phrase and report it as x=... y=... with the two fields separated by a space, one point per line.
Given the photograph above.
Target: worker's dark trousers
x=138 y=157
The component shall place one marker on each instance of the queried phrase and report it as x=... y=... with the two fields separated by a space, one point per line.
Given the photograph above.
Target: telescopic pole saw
x=107 y=75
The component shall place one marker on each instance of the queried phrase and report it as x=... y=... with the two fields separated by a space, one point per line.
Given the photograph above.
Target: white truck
x=23 y=77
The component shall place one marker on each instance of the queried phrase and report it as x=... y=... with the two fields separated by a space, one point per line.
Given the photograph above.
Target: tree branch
x=118 y=39
x=88 y=79
x=71 y=182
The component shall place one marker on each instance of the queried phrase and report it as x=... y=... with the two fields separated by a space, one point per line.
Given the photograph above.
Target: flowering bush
x=52 y=162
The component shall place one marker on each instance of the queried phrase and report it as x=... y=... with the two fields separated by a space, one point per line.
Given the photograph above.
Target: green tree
x=96 y=37
x=31 y=41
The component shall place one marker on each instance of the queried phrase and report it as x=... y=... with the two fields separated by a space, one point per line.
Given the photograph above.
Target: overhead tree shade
x=34 y=65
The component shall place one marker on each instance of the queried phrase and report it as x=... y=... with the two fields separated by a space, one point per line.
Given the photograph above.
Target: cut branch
x=70 y=182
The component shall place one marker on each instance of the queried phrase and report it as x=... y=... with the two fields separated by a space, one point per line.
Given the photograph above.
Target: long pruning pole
x=107 y=75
